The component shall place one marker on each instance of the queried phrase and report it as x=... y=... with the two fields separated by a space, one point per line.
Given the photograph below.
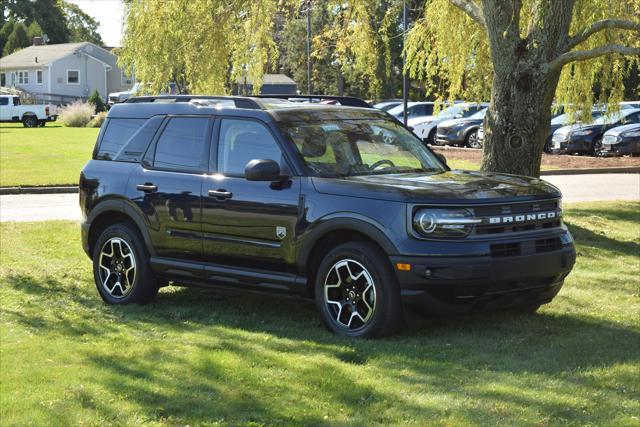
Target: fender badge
x=281 y=232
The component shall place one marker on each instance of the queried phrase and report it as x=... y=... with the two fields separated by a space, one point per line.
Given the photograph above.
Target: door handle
x=147 y=187
x=220 y=194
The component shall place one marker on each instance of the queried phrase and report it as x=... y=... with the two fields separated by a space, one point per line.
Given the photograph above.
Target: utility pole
x=309 y=47
x=405 y=77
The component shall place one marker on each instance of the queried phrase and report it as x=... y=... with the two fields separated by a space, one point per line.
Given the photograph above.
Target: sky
x=109 y=14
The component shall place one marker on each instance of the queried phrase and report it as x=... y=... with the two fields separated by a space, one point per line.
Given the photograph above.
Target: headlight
x=439 y=223
x=581 y=132
x=632 y=134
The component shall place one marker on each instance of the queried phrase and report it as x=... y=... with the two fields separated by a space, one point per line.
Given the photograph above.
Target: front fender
x=337 y=221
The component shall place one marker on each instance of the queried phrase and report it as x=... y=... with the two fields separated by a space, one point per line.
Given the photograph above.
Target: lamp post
x=405 y=77
x=309 y=47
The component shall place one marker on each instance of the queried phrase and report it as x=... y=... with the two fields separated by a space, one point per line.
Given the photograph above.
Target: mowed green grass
x=52 y=155
x=206 y=357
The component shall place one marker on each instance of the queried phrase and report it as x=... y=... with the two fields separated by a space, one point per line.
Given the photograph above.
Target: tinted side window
x=4 y=101
x=633 y=118
x=117 y=133
x=428 y=109
x=183 y=145
x=242 y=141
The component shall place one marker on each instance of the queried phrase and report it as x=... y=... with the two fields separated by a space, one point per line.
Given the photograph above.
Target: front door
x=247 y=223
x=169 y=185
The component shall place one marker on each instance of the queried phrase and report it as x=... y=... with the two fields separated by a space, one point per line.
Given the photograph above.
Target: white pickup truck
x=12 y=110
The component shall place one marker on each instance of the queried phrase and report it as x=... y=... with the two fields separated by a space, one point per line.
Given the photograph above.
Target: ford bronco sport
x=336 y=203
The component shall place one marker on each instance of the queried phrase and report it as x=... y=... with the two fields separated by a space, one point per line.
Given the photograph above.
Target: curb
x=63 y=189
x=590 y=171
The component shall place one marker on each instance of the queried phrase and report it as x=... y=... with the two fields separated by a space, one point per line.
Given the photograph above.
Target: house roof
x=36 y=56
x=271 y=79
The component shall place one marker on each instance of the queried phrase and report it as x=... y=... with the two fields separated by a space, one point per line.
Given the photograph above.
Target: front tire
x=356 y=292
x=472 y=140
x=121 y=268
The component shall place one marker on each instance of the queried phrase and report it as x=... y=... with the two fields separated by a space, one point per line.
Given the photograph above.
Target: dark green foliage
x=48 y=14
x=82 y=27
x=34 y=30
x=96 y=100
x=17 y=40
x=5 y=32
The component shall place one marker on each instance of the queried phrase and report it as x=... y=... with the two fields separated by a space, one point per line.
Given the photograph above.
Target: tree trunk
x=518 y=121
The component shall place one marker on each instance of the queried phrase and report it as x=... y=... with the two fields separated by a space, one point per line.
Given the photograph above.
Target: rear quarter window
x=116 y=135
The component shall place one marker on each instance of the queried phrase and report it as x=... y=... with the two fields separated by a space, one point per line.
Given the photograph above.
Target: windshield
x=479 y=115
x=564 y=119
x=398 y=109
x=609 y=118
x=340 y=148
x=463 y=110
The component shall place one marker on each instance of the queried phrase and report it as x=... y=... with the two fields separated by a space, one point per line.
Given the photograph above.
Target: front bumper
x=454 y=285
x=454 y=137
x=572 y=145
x=621 y=148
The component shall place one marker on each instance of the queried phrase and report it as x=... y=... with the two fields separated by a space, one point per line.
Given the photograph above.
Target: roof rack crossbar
x=240 y=101
x=347 y=101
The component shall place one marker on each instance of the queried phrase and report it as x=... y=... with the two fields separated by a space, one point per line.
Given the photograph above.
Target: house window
x=126 y=79
x=39 y=77
x=73 y=77
x=23 y=77
x=3 y=79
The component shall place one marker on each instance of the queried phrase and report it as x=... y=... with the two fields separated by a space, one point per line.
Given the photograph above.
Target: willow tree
x=202 y=45
x=524 y=54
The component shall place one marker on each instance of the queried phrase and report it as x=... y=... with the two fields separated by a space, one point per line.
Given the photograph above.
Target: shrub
x=97 y=120
x=96 y=100
x=76 y=115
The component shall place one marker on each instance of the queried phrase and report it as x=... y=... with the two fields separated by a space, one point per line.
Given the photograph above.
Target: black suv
x=340 y=204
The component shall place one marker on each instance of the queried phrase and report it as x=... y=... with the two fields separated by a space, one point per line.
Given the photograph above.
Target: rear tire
x=121 y=269
x=30 y=121
x=356 y=291
x=431 y=139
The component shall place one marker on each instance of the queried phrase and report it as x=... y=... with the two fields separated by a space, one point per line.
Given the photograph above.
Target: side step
x=199 y=272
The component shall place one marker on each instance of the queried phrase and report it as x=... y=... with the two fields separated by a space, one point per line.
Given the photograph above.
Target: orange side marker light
x=403 y=267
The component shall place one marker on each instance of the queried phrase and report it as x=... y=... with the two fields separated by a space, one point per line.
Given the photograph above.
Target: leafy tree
x=5 y=32
x=524 y=54
x=34 y=30
x=82 y=27
x=17 y=39
x=196 y=44
x=48 y=14
x=96 y=100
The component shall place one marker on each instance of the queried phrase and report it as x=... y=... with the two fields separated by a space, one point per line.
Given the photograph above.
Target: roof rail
x=347 y=101
x=239 y=101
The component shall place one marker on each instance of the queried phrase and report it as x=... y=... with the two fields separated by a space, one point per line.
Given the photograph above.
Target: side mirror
x=442 y=158
x=262 y=170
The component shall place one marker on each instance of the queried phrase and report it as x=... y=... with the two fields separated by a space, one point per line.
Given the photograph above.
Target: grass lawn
x=205 y=357
x=53 y=154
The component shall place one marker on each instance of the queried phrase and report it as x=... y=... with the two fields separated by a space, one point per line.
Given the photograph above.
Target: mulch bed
x=552 y=161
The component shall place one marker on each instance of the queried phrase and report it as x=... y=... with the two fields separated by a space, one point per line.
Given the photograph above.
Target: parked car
x=630 y=105
x=563 y=120
x=414 y=110
x=13 y=111
x=621 y=140
x=136 y=90
x=587 y=139
x=340 y=204
x=425 y=128
x=461 y=131
x=387 y=105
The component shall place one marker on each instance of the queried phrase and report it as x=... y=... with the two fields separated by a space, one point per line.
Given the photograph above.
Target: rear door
x=247 y=223
x=168 y=185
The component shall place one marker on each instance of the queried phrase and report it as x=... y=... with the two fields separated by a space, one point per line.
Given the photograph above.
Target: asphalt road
x=575 y=188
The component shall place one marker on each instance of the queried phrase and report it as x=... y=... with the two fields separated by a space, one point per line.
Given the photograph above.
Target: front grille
x=524 y=215
x=548 y=245
x=443 y=131
x=500 y=250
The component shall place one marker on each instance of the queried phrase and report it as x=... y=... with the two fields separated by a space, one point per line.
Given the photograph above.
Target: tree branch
x=470 y=8
x=583 y=55
x=599 y=26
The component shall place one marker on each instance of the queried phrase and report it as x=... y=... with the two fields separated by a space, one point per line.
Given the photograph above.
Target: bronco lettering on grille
x=522 y=218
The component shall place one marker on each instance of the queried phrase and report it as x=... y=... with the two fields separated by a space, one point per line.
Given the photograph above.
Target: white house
x=69 y=69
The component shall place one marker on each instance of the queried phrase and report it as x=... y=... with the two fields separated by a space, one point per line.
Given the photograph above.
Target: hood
x=577 y=127
x=118 y=94
x=419 y=120
x=449 y=187
x=624 y=128
x=455 y=122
